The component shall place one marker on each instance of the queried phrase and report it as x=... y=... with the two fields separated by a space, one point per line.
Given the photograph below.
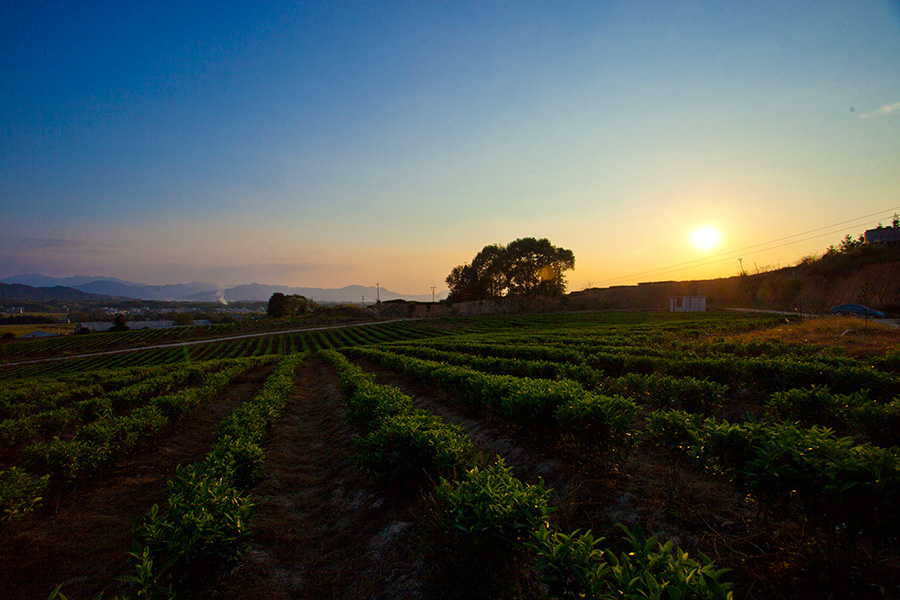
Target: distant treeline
x=27 y=320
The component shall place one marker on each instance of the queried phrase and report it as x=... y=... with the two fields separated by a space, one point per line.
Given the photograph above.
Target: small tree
x=183 y=319
x=119 y=323
x=277 y=305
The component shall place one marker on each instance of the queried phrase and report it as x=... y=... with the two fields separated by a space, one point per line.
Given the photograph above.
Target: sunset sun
x=706 y=238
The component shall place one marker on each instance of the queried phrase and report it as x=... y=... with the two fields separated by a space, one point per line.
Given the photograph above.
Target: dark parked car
x=856 y=310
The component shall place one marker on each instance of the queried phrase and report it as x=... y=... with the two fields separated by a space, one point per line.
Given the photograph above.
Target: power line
x=727 y=256
x=710 y=260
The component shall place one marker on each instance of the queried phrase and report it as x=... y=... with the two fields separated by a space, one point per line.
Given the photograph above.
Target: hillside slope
x=871 y=278
x=16 y=292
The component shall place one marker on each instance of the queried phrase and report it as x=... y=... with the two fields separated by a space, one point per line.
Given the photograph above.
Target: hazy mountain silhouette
x=206 y=291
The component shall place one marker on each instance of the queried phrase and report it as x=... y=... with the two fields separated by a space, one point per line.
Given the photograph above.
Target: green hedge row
x=489 y=518
x=400 y=442
x=72 y=409
x=832 y=483
x=102 y=442
x=517 y=367
x=204 y=523
x=604 y=422
x=765 y=375
x=664 y=391
x=846 y=413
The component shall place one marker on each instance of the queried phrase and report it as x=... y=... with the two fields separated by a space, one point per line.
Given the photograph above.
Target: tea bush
x=413 y=445
x=204 y=524
x=20 y=493
x=665 y=391
x=847 y=413
x=536 y=404
x=489 y=506
x=574 y=566
x=835 y=484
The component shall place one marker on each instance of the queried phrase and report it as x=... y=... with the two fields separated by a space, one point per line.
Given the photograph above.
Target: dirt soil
x=322 y=528
x=83 y=545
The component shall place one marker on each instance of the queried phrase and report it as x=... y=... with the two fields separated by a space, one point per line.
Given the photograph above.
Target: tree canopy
x=119 y=323
x=526 y=267
x=294 y=305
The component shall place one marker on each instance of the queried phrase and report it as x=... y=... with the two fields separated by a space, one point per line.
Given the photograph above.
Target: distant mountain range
x=190 y=292
x=17 y=292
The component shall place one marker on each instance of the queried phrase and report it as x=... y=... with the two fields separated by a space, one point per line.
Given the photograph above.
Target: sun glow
x=706 y=237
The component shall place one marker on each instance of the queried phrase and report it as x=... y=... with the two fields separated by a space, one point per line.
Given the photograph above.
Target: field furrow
x=322 y=529
x=82 y=542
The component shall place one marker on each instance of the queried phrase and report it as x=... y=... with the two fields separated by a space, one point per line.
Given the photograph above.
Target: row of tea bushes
x=661 y=391
x=100 y=443
x=51 y=465
x=839 y=487
x=603 y=422
x=203 y=525
x=400 y=443
x=51 y=413
x=489 y=519
x=846 y=413
x=664 y=391
x=517 y=367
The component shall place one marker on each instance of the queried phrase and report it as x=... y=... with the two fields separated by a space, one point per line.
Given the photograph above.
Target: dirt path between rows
x=84 y=545
x=322 y=529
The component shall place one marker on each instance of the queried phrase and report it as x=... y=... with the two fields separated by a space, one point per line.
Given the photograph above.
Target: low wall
x=791 y=289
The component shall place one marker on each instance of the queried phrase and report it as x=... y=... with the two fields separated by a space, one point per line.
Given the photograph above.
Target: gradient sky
x=329 y=144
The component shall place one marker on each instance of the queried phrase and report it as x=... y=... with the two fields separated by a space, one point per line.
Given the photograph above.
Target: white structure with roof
x=687 y=304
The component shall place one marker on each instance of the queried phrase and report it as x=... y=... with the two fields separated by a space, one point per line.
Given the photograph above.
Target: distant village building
x=882 y=235
x=687 y=304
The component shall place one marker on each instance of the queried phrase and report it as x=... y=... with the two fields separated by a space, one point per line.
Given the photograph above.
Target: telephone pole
x=432 y=294
x=378 y=292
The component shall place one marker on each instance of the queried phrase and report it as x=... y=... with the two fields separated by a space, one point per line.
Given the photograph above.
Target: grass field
x=58 y=329
x=21 y=330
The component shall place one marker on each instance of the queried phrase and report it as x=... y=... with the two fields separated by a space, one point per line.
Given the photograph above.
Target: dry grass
x=850 y=335
x=57 y=328
x=20 y=330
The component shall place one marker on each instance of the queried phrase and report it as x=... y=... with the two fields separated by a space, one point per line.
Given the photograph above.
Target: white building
x=687 y=304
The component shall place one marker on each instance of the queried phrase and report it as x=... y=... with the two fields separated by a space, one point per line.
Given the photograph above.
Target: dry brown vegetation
x=851 y=336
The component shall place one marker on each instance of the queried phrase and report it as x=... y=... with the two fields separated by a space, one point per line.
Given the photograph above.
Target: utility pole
x=364 y=302
x=432 y=294
x=741 y=260
x=378 y=292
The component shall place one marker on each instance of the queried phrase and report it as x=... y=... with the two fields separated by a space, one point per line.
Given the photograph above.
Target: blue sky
x=328 y=144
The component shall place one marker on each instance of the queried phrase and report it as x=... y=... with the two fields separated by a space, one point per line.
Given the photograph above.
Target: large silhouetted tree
x=526 y=267
x=294 y=305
